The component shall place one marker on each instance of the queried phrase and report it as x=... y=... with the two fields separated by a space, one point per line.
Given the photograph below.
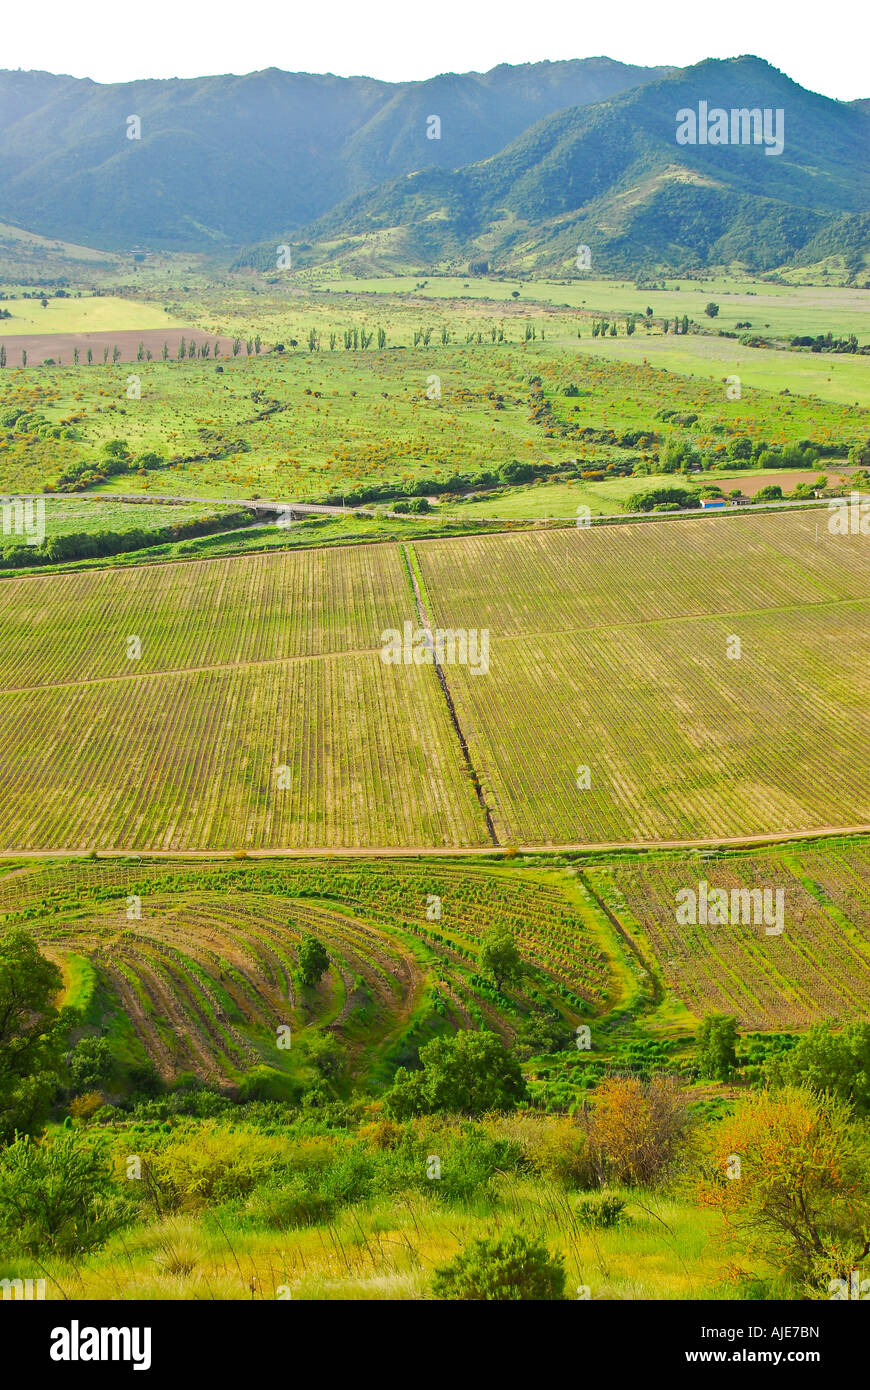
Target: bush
x=267 y=1083
x=84 y=1107
x=57 y=1196
x=470 y=1164
x=508 y=1268
x=90 y=1064
x=207 y=1163
x=289 y=1204
x=717 y=1046
x=313 y=960
x=659 y=496
x=834 y=1062
x=554 y=1146
x=467 y=1074
x=800 y=1200
x=636 y=1128
x=600 y=1212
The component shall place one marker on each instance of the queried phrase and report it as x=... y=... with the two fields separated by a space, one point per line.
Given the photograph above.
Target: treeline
x=512 y=474
x=89 y=545
x=826 y=342
x=681 y=453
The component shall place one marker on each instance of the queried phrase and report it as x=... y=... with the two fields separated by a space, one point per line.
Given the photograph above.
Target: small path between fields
x=819 y=832
x=451 y=708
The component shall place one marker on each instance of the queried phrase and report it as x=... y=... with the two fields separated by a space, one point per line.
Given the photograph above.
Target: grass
x=85 y=515
x=88 y=314
x=779 y=308
x=842 y=379
x=388 y=1248
x=80 y=981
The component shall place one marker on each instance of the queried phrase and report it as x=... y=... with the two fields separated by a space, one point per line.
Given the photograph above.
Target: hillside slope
x=612 y=176
x=229 y=159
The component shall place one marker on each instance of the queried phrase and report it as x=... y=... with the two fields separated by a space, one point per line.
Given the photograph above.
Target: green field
x=361 y=957
x=313 y=425
x=81 y=515
x=288 y=646
x=90 y=314
x=783 y=309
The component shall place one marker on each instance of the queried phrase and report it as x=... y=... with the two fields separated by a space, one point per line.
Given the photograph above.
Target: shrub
x=599 y=1211
x=90 y=1064
x=57 y=1196
x=84 y=1107
x=830 y=1061
x=471 y=1163
x=717 y=1046
x=289 y=1204
x=467 y=1074
x=636 y=1127
x=508 y=1268
x=656 y=497
x=207 y=1163
x=554 y=1146
x=800 y=1200
x=313 y=960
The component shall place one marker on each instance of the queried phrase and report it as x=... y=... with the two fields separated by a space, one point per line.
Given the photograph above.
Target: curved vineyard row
x=205 y=973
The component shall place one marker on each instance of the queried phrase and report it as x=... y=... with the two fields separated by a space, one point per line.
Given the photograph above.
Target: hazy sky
x=822 y=46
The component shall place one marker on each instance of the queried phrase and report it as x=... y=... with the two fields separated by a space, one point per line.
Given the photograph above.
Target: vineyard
x=817 y=968
x=206 y=972
x=256 y=713
x=647 y=685
x=195 y=965
x=242 y=703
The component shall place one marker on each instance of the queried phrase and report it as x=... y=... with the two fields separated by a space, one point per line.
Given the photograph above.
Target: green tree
x=717 y=1046
x=31 y=1032
x=711 y=310
x=469 y=1074
x=507 y=1268
x=91 y=1065
x=500 y=958
x=829 y=1061
x=313 y=960
x=57 y=1197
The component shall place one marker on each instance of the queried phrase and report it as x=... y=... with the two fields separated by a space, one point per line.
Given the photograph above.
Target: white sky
x=822 y=46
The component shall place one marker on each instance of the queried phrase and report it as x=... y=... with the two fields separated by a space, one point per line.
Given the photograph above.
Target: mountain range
x=224 y=160
x=518 y=167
